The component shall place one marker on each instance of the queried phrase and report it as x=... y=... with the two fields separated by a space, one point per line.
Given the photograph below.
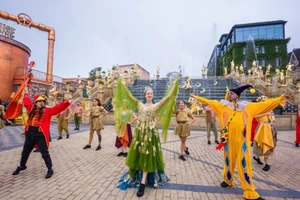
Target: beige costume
x=182 y=129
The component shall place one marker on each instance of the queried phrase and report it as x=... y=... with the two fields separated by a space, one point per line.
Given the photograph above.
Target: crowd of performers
x=143 y=148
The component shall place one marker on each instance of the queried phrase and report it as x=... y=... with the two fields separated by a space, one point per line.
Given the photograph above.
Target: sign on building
x=7 y=31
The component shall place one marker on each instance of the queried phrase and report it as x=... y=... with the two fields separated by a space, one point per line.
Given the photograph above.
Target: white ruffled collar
x=241 y=104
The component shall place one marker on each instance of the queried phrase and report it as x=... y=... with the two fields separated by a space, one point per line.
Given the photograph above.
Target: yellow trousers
x=62 y=124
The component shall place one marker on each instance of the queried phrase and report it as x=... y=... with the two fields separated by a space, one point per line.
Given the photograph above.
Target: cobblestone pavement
x=90 y=174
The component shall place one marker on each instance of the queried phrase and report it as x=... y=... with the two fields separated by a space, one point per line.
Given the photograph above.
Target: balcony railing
x=39 y=75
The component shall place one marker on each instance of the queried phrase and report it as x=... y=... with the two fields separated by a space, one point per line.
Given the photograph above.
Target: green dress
x=145 y=152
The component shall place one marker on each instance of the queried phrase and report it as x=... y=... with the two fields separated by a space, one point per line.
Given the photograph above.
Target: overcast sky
x=164 y=33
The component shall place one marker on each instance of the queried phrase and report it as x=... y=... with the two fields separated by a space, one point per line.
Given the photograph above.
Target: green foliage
x=298 y=80
x=92 y=73
x=68 y=83
x=235 y=53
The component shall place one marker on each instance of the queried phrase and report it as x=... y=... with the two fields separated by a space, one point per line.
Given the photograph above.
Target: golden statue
x=225 y=70
x=254 y=64
x=180 y=70
x=268 y=70
x=203 y=70
x=232 y=66
x=187 y=83
x=281 y=77
x=241 y=69
x=157 y=70
x=195 y=106
x=289 y=69
x=97 y=74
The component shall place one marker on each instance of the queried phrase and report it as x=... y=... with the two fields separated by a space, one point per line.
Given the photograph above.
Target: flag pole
x=31 y=65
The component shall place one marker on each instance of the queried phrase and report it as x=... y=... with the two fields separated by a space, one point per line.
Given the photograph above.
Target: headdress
x=240 y=89
x=39 y=98
x=147 y=88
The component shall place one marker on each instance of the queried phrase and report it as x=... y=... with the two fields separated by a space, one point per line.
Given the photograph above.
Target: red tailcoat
x=46 y=119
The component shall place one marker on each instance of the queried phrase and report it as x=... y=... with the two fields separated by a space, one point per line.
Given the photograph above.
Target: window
x=239 y=35
x=270 y=32
x=262 y=32
x=276 y=48
x=244 y=63
x=244 y=51
x=277 y=62
x=257 y=63
x=263 y=49
x=257 y=49
x=278 y=32
x=263 y=62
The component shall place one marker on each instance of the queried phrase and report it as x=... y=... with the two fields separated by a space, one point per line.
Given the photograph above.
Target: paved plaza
x=90 y=174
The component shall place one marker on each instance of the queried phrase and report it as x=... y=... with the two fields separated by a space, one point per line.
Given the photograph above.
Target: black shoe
x=125 y=154
x=296 y=145
x=251 y=144
x=87 y=147
x=68 y=136
x=98 y=148
x=209 y=142
x=59 y=138
x=182 y=157
x=75 y=129
x=49 y=173
x=224 y=184
x=266 y=167
x=187 y=151
x=217 y=142
x=258 y=160
x=17 y=171
x=259 y=198
x=37 y=150
x=120 y=154
x=141 y=190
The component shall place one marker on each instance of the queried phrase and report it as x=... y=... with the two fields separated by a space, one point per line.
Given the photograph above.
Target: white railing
x=42 y=76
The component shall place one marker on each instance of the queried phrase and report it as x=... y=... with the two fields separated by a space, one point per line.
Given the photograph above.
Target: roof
x=133 y=65
x=259 y=24
x=254 y=24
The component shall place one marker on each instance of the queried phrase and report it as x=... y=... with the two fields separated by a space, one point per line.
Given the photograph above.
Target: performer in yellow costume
x=235 y=119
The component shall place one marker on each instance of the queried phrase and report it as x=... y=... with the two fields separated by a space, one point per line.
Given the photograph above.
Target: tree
x=92 y=73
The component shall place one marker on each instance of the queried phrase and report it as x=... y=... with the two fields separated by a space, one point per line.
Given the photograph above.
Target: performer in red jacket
x=297 y=142
x=37 y=130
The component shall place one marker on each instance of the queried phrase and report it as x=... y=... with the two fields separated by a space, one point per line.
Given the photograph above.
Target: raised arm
x=255 y=109
x=59 y=108
x=129 y=95
x=214 y=105
x=27 y=103
x=168 y=96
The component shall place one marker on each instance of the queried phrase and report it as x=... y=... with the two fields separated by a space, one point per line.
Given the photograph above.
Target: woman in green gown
x=145 y=159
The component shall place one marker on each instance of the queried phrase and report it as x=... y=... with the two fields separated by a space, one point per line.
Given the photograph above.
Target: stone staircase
x=208 y=88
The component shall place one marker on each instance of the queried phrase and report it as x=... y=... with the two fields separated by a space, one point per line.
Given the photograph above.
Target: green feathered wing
x=164 y=112
x=122 y=94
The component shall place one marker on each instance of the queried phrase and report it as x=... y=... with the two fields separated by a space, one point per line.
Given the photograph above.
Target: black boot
x=141 y=190
x=17 y=171
x=266 y=167
x=87 y=146
x=258 y=160
x=187 y=151
x=49 y=173
x=98 y=148
x=120 y=154
x=224 y=184
x=68 y=136
x=182 y=157
x=296 y=145
x=59 y=138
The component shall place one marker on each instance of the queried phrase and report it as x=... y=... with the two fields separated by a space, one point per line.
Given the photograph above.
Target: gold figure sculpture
x=289 y=69
x=187 y=83
x=195 y=106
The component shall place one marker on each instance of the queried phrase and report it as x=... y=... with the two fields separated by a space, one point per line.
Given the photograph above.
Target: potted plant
x=68 y=85
x=298 y=81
